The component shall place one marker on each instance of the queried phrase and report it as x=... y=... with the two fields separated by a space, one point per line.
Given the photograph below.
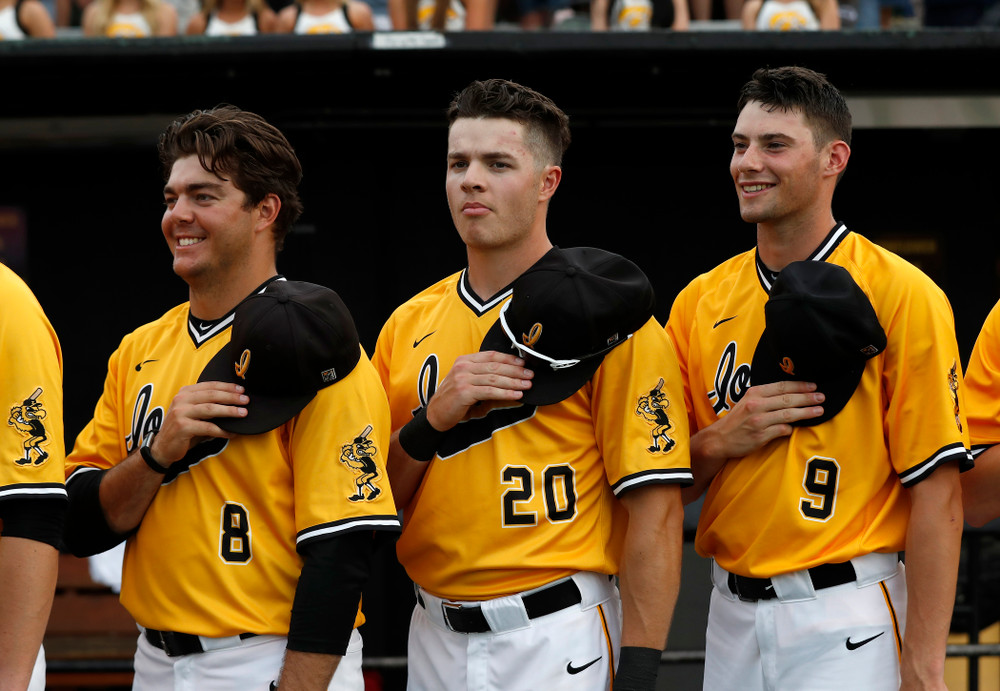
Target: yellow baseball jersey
x=215 y=554
x=32 y=450
x=834 y=491
x=982 y=379
x=526 y=495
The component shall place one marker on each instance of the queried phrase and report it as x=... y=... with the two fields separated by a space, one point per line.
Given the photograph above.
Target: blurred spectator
x=885 y=14
x=380 y=14
x=442 y=15
x=326 y=17
x=703 y=10
x=639 y=15
x=233 y=18
x=791 y=15
x=70 y=12
x=129 y=19
x=23 y=19
x=539 y=14
x=186 y=10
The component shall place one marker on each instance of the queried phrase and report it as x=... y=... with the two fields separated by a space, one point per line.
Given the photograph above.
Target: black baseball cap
x=566 y=313
x=819 y=327
x=288 y=342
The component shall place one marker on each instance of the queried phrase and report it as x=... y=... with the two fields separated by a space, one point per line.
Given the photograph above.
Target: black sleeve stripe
x=80 y=472
x=349 y=525
x=979 y=448
x=41 y=490
x=663 y=476
x=946 y=454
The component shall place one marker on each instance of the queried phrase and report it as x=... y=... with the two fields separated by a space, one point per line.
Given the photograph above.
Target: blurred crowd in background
x=21 y=19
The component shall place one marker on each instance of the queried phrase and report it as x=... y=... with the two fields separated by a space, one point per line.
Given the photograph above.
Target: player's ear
x=268 y=209
x=551 y=176
x=836 y=160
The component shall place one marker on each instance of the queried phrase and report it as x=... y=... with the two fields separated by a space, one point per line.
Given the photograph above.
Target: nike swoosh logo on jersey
x=723 y=321
x=576 y=670
x=854 y=646
x=416 y=343
x=139 y=366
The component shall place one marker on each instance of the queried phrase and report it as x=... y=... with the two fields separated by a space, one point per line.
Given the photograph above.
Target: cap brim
x=264 y=412
x=549 y=385
x=838 y=388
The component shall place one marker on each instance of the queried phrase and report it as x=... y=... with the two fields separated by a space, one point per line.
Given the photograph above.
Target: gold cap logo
x=243 y=365
x=531 y=338
x=787 y=366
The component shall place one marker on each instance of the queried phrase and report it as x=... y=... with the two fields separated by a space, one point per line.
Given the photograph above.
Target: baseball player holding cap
x=822 y=383
x=520 y=456
x=32 y=495
x=215 y=448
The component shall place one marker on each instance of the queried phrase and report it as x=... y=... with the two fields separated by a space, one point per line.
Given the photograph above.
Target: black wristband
x=419 y=439
x=637 y=669
x=147 y=455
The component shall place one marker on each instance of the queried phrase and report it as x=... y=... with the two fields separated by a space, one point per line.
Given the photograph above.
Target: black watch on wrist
x=147 y=455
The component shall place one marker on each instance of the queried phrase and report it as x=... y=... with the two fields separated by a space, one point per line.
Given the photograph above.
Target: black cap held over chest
x=287 y=343
x=819 y=327
x=566 y=313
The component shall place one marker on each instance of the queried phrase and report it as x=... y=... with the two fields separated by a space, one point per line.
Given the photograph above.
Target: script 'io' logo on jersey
x=531 y=338
x=652 y=408
x=359 y=456
x=27 y=418
x=953 y=387
x=243 y=365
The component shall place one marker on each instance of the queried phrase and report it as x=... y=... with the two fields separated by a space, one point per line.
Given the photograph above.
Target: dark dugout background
x=646 y=175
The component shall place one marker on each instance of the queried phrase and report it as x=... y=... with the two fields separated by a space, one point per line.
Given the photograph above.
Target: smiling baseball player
x=821 y=382
x=215 y=447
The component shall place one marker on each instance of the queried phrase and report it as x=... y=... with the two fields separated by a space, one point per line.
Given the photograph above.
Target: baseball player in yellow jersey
x=32 y=495
x=524 y=470
x=811 y=494
x=980 y=497
x=215 y=447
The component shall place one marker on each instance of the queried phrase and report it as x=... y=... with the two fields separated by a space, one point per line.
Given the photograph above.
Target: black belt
x=823 y=576
x=175 y=644
x=470 y=618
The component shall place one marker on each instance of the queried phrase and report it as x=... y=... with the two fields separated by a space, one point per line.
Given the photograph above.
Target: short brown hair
x=546 y=126
x=238 y=144
x=802 y=89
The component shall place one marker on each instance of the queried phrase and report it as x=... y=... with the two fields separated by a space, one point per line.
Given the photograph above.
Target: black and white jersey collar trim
x=821 y=254
x=473 y=301
x=201 y=331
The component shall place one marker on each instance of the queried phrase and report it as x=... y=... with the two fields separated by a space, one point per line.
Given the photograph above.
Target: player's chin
x=187 y=269
x=753 y=215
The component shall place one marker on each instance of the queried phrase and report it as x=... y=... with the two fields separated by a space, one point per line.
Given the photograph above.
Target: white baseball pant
x=572 y=649
x=843 y=637
x=37 y=682
x=249 y=665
